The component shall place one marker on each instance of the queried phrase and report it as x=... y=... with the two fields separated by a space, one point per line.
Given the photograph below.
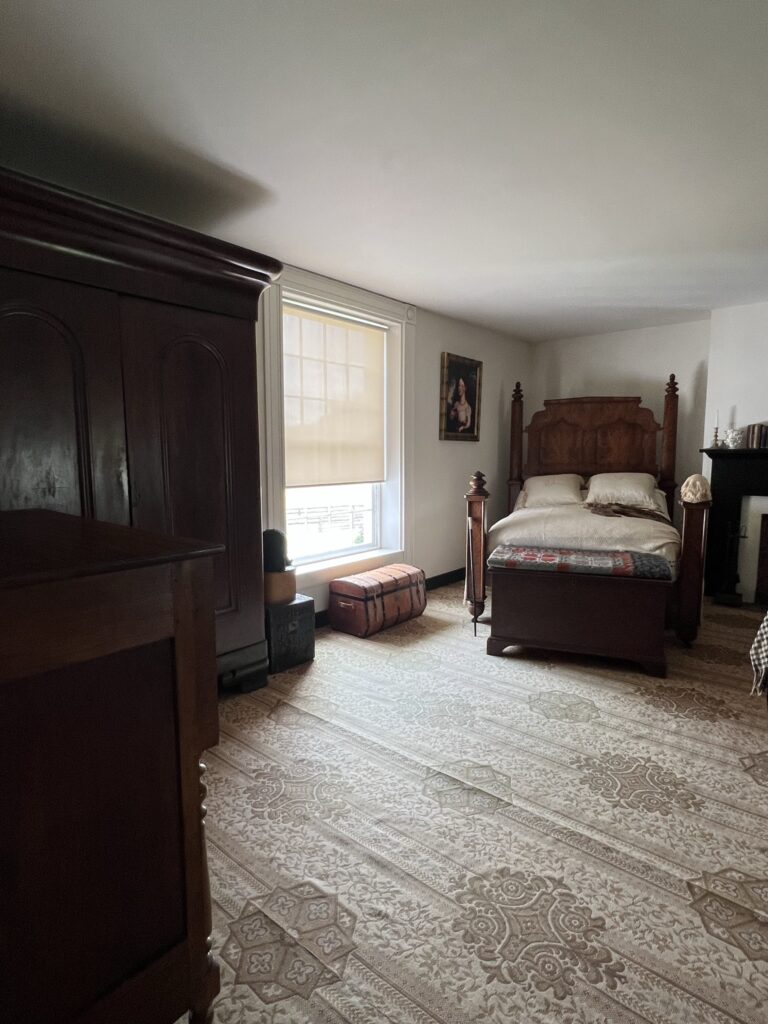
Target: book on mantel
x=756 y=435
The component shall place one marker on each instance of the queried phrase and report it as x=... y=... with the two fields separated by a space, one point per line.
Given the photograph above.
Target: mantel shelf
x=735 y=453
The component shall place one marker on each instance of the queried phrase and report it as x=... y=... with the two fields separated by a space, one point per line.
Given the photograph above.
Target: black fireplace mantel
x=736 y=473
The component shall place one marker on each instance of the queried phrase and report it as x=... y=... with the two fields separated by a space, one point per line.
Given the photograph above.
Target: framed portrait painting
x=460 y=384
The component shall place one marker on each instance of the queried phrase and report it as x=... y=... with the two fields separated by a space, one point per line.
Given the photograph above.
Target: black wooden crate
x=291 y=633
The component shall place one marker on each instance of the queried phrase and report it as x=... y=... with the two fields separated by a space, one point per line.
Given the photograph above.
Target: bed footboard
x=474 y=580
x=695 y=500
x=610 y=616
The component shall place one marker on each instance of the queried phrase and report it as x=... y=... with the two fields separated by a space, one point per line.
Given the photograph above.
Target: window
x=334 y=388
x=332 y=416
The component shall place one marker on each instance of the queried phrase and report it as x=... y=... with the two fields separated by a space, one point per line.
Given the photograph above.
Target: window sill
x=315 y=573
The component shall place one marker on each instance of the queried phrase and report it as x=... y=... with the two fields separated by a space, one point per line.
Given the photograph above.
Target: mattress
x=575 y=527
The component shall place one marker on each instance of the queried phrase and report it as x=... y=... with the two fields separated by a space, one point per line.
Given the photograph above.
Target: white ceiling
x=546 y=167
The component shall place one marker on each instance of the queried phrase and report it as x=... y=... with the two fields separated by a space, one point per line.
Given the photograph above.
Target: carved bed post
x=669 y=444
x=515 y=481
x=474 y=584
x=696 y=501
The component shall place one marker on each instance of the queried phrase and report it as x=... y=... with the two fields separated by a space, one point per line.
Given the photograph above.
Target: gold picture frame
x=460 y=393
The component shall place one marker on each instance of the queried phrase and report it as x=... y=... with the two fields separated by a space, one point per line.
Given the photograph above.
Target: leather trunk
x=371 y=601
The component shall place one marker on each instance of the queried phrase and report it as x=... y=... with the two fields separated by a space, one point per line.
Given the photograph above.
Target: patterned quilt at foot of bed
x=601 y=563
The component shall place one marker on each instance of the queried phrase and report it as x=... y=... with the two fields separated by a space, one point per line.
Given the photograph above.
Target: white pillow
x=635 y=489
x=558 y=489
x=661 y=502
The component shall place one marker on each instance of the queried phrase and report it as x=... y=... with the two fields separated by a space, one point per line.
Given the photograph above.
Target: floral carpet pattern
x=408 y=831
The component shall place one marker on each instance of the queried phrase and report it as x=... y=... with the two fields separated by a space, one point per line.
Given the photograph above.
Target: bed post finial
x=477 y=486
x=515 y=479
x=669 y=443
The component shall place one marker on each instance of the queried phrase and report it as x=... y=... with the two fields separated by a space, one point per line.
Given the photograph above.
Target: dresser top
x=38 y=546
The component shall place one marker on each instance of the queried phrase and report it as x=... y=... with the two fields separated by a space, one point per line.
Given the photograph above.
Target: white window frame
x=396 y=492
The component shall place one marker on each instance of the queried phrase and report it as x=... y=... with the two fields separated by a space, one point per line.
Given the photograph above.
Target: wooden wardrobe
x=128 y=385
x=107 y=699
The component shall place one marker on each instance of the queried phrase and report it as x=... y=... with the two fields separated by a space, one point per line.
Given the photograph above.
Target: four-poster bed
x=599 y=600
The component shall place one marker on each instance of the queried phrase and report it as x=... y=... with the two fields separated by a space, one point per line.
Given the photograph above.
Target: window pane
x=323 y=521
x=291 y=335
x=336 y=382
x=356 y=382
x=312 y=339
x=313 y=410
x=292 y=411
x=357 y=348
x=336 y=343
x=313 y=382
x=292 y=376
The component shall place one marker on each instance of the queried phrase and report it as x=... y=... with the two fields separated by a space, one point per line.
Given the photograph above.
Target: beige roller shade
x=333 y=381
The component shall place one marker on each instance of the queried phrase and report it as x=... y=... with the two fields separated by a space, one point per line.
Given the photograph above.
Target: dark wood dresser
x=107 y=699
x=128 y=385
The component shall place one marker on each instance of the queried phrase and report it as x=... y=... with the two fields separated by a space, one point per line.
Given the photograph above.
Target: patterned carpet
x=408 y=831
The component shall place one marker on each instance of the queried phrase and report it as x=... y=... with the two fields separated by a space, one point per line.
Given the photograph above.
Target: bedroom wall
x=443 y=468
x=636 y=362
x=738 y=358
x=736 y=388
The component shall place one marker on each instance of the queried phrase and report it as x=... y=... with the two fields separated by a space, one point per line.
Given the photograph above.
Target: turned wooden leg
x=687 y=633
x=207 y=982
x=495 y=645
x=206 y=882
x=655 y=668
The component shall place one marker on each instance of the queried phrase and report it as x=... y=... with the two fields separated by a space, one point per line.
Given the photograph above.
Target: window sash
x=334 y=390
x=327 y=553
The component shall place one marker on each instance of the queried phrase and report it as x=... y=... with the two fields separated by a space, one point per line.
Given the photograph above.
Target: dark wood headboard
x=594 y=435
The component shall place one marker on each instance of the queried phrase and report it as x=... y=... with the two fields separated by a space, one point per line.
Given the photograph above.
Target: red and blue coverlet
x=600 y=563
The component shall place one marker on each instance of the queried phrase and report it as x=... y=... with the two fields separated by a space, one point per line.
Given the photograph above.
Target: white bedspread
x=573 y=526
